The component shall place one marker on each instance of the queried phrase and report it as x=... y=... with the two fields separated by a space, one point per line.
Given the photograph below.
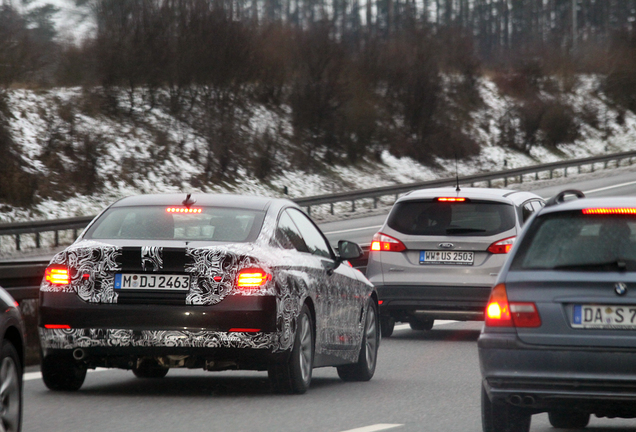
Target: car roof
x=582 y=203
x=203 y=199
x=489 y=194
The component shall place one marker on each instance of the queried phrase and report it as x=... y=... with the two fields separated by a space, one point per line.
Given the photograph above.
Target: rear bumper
x=135 y=329
x=447 y=302
x=548 y=377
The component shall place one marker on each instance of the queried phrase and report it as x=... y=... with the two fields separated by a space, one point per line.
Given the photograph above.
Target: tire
x=387 y=324
x=502 y=417
x=364 y=369
x=568 y=419
x=294 y=375
x=419 y=325
x=149 y=368
x=63 y=373
x=10 y=388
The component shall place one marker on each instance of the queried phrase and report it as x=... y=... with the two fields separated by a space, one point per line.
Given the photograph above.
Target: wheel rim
x=9 y=395
x=371 y=336
x=306 y=347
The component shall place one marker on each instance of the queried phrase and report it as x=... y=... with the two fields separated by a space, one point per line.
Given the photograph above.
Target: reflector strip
x=57 y=326
x=451 y=199
x=183 y=210
x=610 y=211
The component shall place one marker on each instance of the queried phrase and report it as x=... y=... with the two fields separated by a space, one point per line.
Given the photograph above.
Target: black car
x=559 y=328
x=12 y=332
x=207 y=281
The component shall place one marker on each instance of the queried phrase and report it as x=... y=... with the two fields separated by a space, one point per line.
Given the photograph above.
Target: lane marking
x=30 y=376
x=610 y=187
x=375 y=427
x=353 y=229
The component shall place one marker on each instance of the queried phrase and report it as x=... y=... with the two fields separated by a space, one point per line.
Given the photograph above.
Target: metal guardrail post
x=57 y=238
x=17 y=242
x=37 y=240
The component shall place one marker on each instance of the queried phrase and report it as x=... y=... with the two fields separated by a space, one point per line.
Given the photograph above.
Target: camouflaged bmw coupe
x=206 y=281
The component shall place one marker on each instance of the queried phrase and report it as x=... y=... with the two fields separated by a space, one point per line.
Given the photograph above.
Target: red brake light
x=502 y=246
x=501 y=313
x=57 y=275
x=610 y=211
x=498 y=310
x=451 y=199
x=525 y=315
x=384 y=243
x=57 y=326
x=252 y=278
x=183 y=210
x=245 y=330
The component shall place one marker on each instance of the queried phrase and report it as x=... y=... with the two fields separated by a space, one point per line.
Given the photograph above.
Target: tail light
x=502 y=246
x=252 y=278
x=57 y=275
x=610 y=211
x=451 y=199
x=502 y=313
x=385 y=243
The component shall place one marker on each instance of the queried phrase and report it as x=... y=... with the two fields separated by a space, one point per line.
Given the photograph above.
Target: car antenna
x=457 y=189
x=188 y=201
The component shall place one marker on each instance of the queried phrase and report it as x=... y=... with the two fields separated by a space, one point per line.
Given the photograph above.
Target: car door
x=340 y=292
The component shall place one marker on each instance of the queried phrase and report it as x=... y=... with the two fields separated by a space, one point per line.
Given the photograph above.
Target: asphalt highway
x=425 y=381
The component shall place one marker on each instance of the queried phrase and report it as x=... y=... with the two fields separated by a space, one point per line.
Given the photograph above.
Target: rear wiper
x=618 y=264
x=464 y=230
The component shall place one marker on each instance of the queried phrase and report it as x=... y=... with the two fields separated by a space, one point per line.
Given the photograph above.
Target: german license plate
x=445 y=257
x=604 y=316
x=152 y=281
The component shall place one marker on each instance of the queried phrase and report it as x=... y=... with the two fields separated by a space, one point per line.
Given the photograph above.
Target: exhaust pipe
x=515 y=400
x=529 y=400
x=79 y=354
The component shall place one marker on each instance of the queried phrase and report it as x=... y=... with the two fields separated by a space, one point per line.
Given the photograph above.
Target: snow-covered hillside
x=36 y=116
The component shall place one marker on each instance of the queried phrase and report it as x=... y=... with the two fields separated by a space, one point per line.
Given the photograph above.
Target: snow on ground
x=36 y=116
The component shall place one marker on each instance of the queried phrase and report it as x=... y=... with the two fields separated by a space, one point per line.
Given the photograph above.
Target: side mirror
x=348 y=250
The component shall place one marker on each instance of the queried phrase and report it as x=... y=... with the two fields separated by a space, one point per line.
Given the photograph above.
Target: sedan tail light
x=502 y=246
x=502 y=313
x=384 y=243
x=252 y=278
x=57 y=275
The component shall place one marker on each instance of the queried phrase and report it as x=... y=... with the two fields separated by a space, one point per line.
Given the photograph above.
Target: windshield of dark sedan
x=574 y=241
x=430 y=217
x=159 y=223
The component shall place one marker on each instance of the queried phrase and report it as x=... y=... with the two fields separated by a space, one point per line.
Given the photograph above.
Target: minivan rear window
x=578 y=242
x=431 y=217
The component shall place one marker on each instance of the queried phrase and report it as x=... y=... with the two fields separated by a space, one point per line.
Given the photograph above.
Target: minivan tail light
x=498 y=309
x=384 y=243
x=57 y=275
x=502 y=246
x=252 y=278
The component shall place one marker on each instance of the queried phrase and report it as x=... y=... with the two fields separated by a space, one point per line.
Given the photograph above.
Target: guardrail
x=37 y=227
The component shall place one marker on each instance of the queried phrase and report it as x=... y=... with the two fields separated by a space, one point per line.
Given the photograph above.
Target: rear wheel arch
x=12 y=334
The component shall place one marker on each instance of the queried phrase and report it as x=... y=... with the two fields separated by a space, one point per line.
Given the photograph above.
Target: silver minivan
x=439 y=252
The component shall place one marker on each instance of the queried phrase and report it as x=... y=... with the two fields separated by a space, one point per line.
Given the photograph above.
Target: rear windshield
x=156 y=223
x=574 y=241
x=474 y=218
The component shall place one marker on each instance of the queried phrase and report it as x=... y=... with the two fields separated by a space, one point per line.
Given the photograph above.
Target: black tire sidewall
x=9 y=351
x=298 y=384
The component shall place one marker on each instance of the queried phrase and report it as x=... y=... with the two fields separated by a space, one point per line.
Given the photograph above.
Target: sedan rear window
x=157 y=223
x=474 y=218
x=574 y=241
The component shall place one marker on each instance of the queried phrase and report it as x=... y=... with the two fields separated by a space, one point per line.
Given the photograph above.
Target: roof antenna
x=188 y=201
x=457 y=189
